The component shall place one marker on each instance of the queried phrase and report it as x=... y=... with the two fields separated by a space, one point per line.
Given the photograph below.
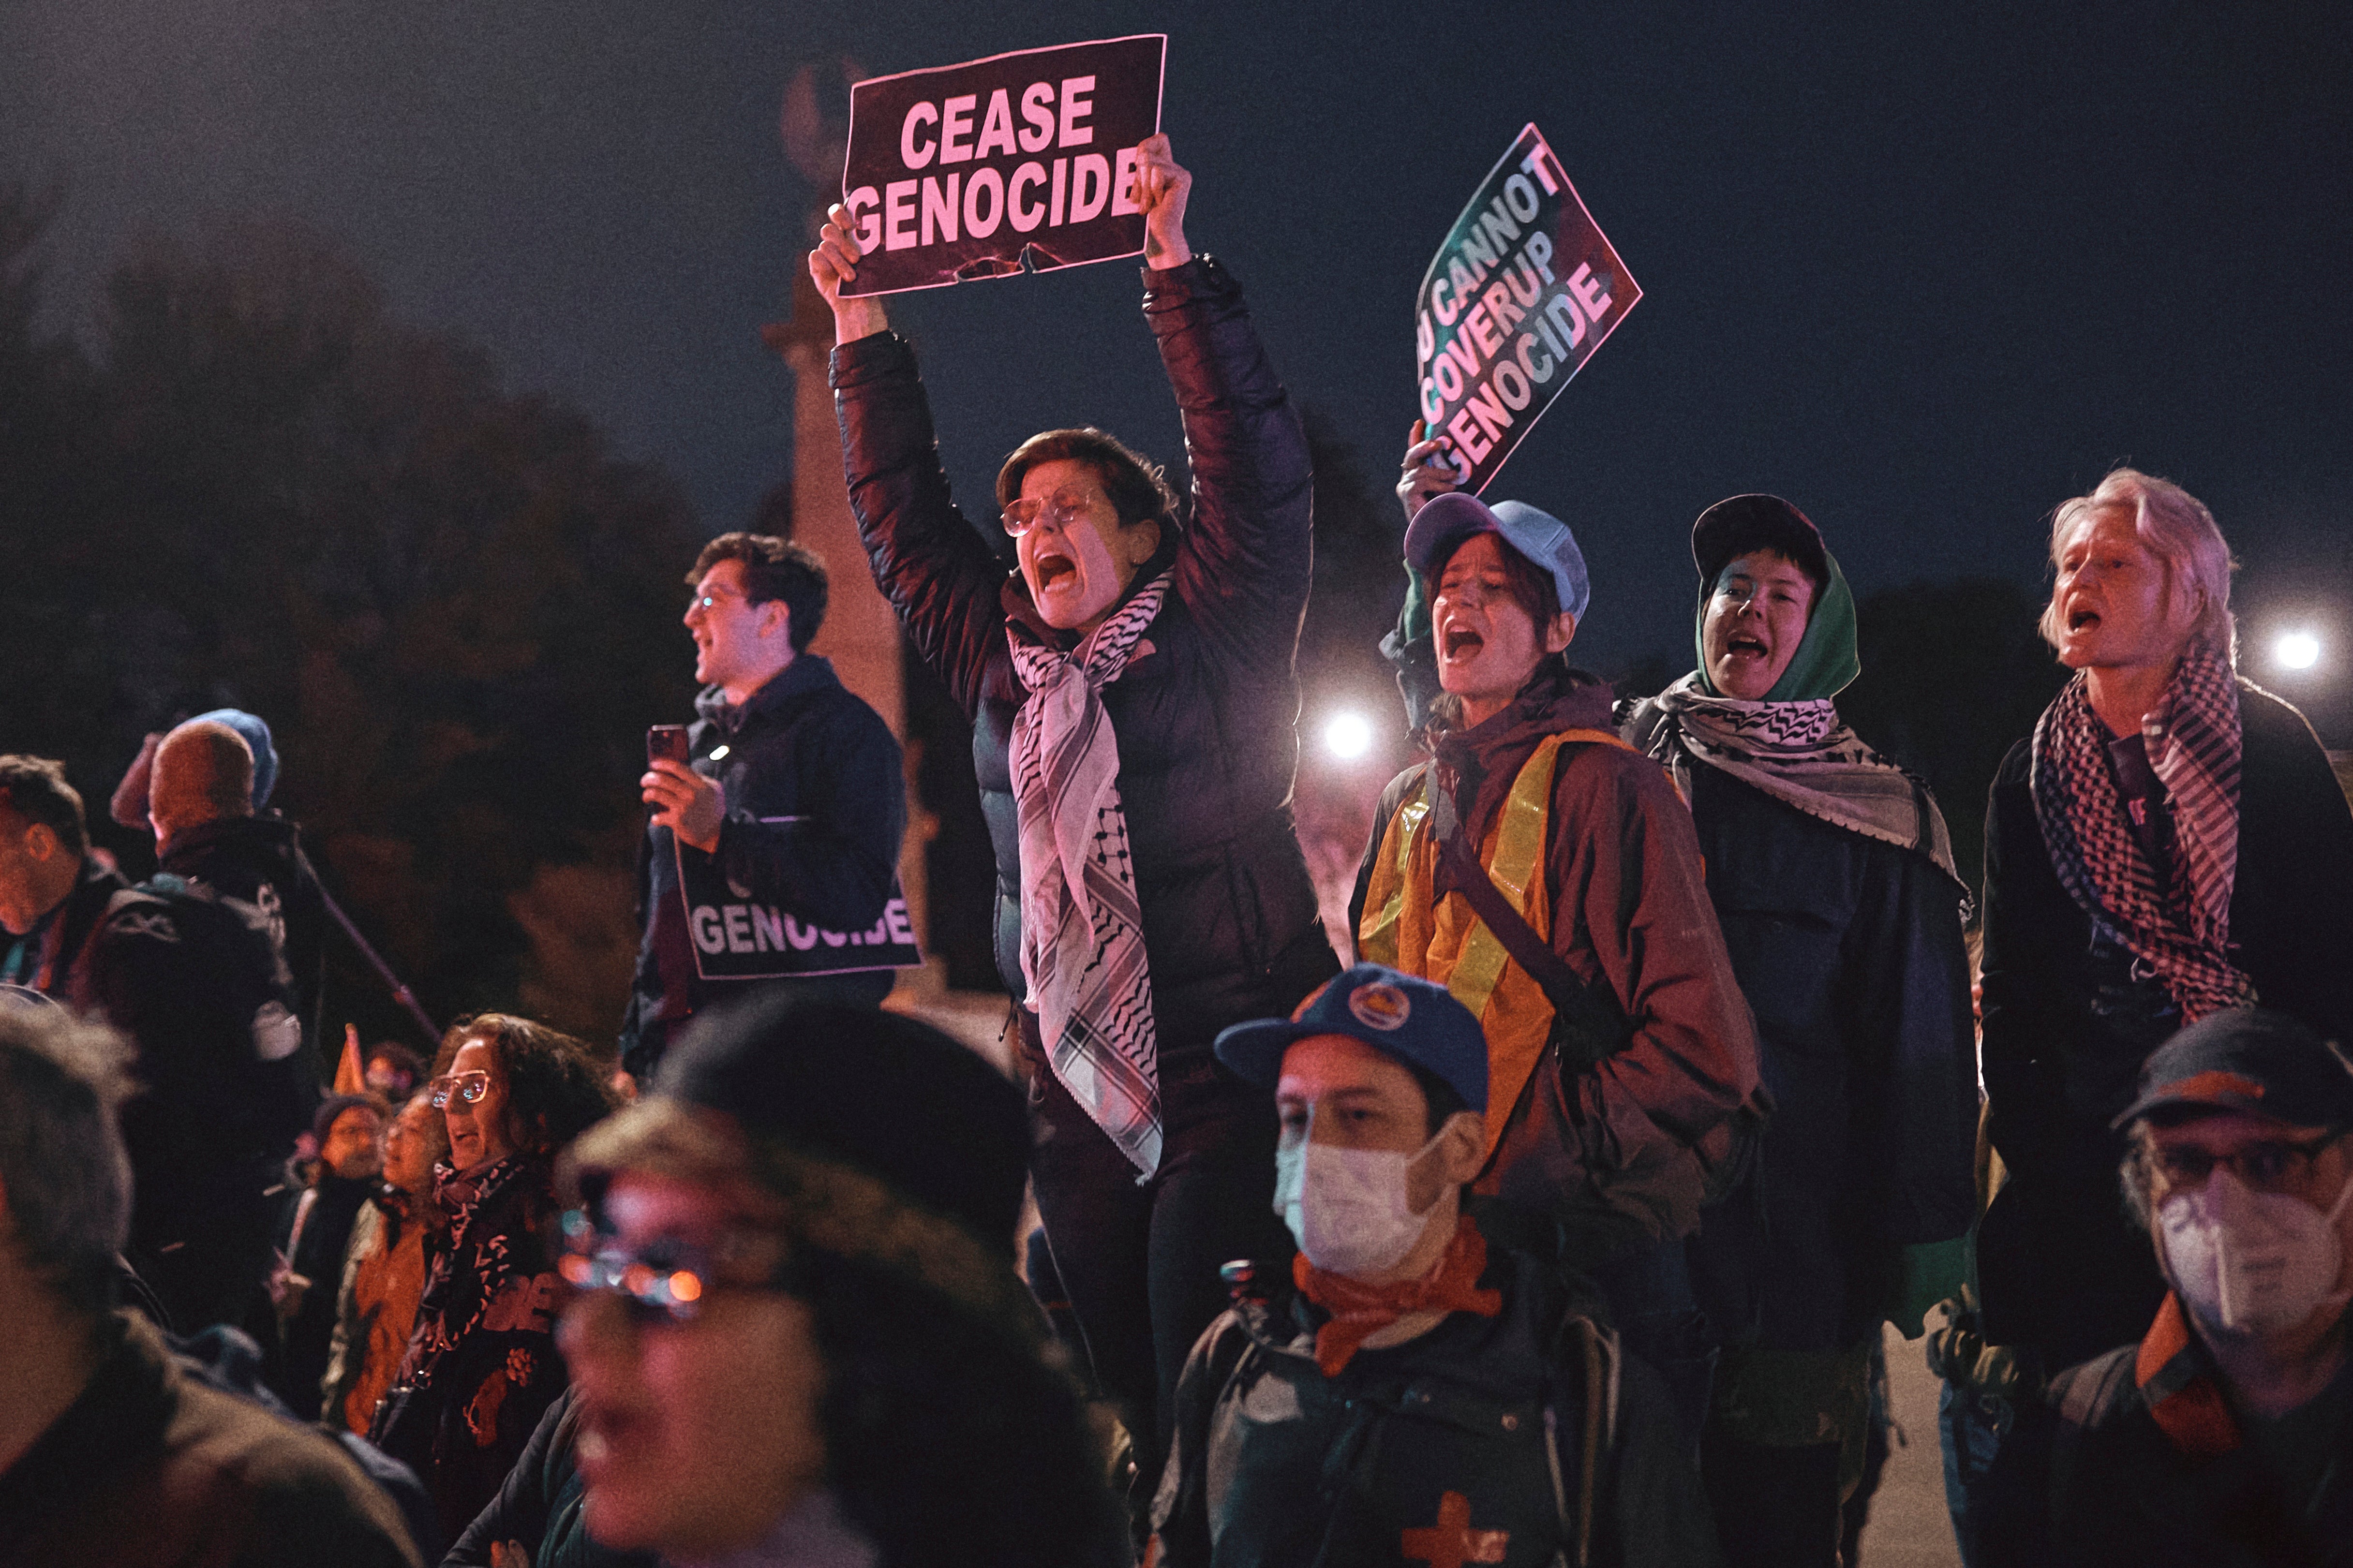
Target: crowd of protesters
x=1560 y=1227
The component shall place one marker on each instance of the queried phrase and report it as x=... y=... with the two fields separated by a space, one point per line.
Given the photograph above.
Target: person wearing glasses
x=797 y=1336
x=482 y=1366
x=2226 y=1433
x=1135 y=711
x=777 y=836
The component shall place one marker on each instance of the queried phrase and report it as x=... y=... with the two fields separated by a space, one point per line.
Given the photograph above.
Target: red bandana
x=1359 y=1310
x=2182 y=1396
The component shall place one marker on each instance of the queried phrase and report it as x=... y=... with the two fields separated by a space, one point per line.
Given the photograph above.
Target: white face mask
x=2250 y=1263
x=1347 y=1207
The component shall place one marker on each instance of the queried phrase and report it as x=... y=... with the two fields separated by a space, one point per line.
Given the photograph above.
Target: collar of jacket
x=1556 y=697
x=273 y=833
x=807 y=673
x=2178 y=1383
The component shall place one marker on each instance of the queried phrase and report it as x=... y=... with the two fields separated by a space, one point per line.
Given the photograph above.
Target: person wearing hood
x=1134 y=706
x=790 y=805
x=350 y=1133
x=1547 y=874
x=203 y=788
x=2225 y=1434
x=1833 y=879
x=1408 y=1394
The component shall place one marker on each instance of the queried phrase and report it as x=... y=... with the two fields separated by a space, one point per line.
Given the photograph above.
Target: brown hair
x=1138 y=489
x=35 y=788
x=772 y=569
x=555 y=1091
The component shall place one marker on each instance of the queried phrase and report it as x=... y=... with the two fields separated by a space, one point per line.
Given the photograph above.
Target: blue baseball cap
x=1402 y=1016
x=1445 y=521
x=256 y=734
x=2251 y=1059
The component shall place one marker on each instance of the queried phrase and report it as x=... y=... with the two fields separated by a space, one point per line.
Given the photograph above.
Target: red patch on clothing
x=1452 y=1543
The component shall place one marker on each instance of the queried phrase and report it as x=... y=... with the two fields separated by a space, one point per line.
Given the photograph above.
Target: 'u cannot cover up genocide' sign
x=1523 y=292
x=972 y=170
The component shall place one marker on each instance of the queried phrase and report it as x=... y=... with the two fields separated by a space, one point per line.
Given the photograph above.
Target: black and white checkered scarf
x=2180 y=931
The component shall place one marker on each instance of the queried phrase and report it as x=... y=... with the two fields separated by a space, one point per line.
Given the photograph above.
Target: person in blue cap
x=1549 y=876
x=1411 y=1395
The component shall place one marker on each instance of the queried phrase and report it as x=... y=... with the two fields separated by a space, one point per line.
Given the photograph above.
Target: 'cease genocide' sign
x=972 y=170
x=1523 y=292
x=738 y=938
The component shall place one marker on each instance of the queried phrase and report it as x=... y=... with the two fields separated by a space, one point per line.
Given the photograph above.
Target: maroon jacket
x=1631 y=917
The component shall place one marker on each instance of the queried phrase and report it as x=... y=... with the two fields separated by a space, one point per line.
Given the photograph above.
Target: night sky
x=1925 y=270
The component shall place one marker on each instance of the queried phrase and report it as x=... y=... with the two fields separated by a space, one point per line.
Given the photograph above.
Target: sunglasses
x=667 y=1280
x=2267 y=1167
x=465 y=1087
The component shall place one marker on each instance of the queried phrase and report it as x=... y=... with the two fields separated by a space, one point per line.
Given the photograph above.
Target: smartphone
x=666 y=740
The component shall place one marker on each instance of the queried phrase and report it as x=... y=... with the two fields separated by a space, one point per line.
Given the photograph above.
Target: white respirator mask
x=1347 y=1207
x=2250 y=1263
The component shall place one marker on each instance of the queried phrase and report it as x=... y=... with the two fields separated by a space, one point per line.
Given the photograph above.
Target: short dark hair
x=1137 y=487
x=555 y=1091
x=35 y=788
x=772 y=569
x=62 y=1162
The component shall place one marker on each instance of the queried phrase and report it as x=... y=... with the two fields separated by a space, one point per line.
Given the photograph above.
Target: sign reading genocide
x=1523 y=292
x=738 y=938
x=1019 y=160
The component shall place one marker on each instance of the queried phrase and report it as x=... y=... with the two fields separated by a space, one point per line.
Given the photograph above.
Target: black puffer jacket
x=2067 y=1027
x=1206 y=713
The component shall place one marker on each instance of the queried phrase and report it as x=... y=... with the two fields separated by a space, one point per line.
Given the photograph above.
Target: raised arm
x=927 y=558
x=1245 y=565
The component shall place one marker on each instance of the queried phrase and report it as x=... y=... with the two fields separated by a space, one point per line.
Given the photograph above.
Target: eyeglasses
x=465 y=1087
x=667 y=1280
x=1067 y=504
x=708 y=602
x=2267 y=1167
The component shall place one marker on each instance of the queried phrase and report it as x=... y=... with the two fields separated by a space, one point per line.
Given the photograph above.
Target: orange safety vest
x=1405 y=927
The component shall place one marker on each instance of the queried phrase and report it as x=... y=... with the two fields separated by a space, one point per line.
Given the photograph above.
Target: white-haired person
x=2170 y=843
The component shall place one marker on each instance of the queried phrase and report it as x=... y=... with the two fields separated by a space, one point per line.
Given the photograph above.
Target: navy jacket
x=1206 y=713
x=817 y=806
x=1849 y=950
x=2067 y=1026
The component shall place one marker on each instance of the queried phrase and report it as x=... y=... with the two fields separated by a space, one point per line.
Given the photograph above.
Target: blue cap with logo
x=1416 y=1021
x=1445 y=521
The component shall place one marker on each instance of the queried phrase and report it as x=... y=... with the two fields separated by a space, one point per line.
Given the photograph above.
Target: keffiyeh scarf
x=1082 y=925
x=1800 y=753
x=2176 y=925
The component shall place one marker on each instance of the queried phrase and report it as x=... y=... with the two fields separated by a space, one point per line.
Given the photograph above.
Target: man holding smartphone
x=772 y=853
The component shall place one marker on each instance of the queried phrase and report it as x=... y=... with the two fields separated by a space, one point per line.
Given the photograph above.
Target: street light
x=2296 y=651
x=1347 y=736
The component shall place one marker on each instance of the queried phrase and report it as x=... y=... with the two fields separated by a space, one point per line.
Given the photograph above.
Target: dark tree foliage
x=456 y=607
x=1953 y=673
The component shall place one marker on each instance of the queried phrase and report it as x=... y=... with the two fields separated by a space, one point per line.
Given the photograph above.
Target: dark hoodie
x=259 y=860
x=1631 y=915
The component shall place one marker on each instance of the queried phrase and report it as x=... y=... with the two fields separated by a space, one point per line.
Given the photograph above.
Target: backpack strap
x=1597 y=1023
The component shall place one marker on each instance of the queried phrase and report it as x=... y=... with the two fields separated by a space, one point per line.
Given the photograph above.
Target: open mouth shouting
x=1053 y=570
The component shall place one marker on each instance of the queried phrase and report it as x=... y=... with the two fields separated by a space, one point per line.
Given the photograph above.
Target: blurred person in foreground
x=482 y=1366
x=395 y=1239
x=2225 y=1436
x=112 y=1450
x=304 y=1287
x=2170 y=842
x=1420 y=1397
x=791 y=805
x=1134 y=700
x=1832 y=877
x=199 y=988
x=800 y=1339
